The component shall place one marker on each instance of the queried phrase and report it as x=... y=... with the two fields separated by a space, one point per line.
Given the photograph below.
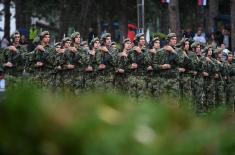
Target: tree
x=7 y=4
x=213 y=12
x=233 y=24
x=174 y=16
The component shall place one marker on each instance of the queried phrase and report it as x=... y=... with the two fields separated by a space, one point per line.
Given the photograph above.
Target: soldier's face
x=96 y=44
x=108 y=41
x=186 y=46
x=17 y=38
x=46 y=39
x=209 y=53
x=67 y=44
x=156 y=44
x=230 y=58
x=142 y=41
x=128 y=45
x=198 y=49
x=77 y=39
x=173 y=41
x=57 y=48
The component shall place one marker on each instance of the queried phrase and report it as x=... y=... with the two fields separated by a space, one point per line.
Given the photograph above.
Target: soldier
x=12 y=59
x=152 y=80
x=208 y=72
x=122 y=64
x=92 y=61
x=41 y=60
x=105 y=79
x=184 y=66
x=138 y=69
x=220 y=95
x=165 y=64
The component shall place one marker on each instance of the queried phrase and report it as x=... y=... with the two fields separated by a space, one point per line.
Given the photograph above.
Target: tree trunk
x=213 y=12
x=164 y=19
x=174 y=16
x=7 y=18
x=233 y=24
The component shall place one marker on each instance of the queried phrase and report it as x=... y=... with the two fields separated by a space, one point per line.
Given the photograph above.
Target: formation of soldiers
x=183 y=69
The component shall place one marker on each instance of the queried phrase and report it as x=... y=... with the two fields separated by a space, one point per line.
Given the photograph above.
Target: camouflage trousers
x=121 y=83
x=41 y=77
x=208 y=99
x=197 y=92
x=185 y=86
x=104 y=82
x=220 y=93
x=230 y=91
x=89 y=81
x=153 y=86
x=137 y=87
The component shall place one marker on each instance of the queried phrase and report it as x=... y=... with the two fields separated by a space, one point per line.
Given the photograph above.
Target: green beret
x=207 y=47
x=195 y=44
x=137 y=37
x=66 y=39
x=126 y=40
x=75 y=34
x=218 y=50
x=57 y=44
x=183 y=40
x=84 y=43
x=93 y=41
x=155 y=39
x=43 y=33
x=170 y=35
x=105 y=35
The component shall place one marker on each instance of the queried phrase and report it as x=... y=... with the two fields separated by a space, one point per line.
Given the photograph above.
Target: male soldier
x=105 y=79
x=41 y=60
x=220 y=95
x=78 y=54
x=196 y=76
x=165 y=64
x=138 y=67
x=152 y=80
x=12 y=59
x=92 y=61
x=122 y=64
x=230 y=81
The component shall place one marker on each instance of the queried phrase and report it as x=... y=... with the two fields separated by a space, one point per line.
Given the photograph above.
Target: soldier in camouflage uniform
x=220 y=95
x=165 y=64
x=92 y=61
x=153 y=79
x=12 y=57
x=138 y=69
x=105 y=76
x=208 y=72
x=122 y=67
x=184 y=66
x=41 y=61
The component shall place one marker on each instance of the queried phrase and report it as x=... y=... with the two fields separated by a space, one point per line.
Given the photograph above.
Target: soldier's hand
x=61 y=51
x=181 y=70
x=150 y=68
x=101 y=67
x=123 y=54
x=59 y=67
x=40 y=47
x=205 y=74
x=208 y=59
x=103 y=48
x=134 y=66
x=194 y=73
x=152 y=51
x=73 y=49
x=121 y=71
x=12 y=48
x=169 y=48
x=89 y=69
x=216 y=76
x=137 y=49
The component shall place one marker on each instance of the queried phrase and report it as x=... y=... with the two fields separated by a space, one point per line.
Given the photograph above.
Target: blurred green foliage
x=40 y=122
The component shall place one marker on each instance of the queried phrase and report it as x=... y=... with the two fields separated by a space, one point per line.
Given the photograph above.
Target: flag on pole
x=202 y=2
x=165 y=1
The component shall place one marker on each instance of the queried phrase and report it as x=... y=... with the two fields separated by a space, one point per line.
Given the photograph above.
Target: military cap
x=182 y=41
x=84 y=43
x=57 y=44
x=43 y=33
x=94 y=40
x=105 y=35
x=170 y=35
x=155 y=39
x=195 y=44
x=137 y=37
x=113 y=43
x=126 y=40
x=73 y=35
x=218 y=50
x=66 y=39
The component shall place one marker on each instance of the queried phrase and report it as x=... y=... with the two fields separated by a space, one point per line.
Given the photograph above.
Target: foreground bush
x=40 y=122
